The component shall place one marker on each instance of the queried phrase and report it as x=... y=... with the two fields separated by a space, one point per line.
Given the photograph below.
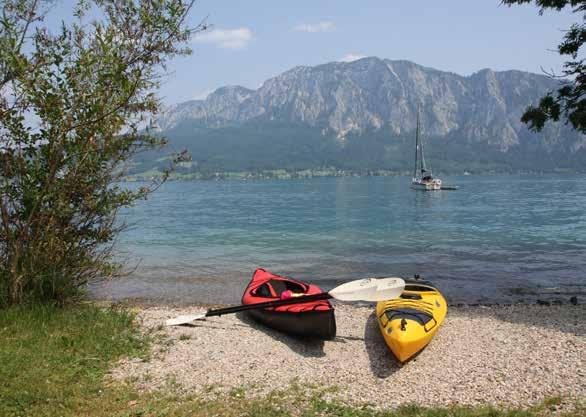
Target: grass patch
x=53 y=362
x=301 y=403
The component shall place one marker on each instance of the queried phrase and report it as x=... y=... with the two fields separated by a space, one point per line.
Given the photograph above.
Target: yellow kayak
x=409 y=322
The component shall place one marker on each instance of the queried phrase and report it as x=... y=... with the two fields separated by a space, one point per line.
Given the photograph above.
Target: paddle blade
x=179 y=320
x=358 y=290
x=388 y=289
x=369 y=289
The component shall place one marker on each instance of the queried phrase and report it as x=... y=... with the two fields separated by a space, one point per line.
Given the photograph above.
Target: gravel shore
x=500 y=355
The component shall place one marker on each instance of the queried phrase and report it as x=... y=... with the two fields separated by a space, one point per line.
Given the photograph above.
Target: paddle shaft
x=266 y=304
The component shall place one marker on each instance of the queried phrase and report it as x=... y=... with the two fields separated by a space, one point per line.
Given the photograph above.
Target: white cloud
x=226 y=38
x=324 y=26
x=352 y=57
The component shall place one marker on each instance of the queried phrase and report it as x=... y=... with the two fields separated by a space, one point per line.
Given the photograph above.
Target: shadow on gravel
x=563 y=318
x=309 y=348
x=382 y=362
x=344 y=339
x=212 y=325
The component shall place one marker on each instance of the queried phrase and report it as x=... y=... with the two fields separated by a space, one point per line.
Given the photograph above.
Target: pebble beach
x=513 y=356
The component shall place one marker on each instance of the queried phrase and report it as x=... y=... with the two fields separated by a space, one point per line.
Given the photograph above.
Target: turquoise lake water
x=496 y=239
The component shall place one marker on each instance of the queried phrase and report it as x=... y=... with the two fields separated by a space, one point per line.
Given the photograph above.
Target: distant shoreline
x=282 y=174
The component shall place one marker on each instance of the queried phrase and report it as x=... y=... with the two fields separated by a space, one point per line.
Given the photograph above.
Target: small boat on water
x=409 y=322
x=314 y=319
x=422 y=175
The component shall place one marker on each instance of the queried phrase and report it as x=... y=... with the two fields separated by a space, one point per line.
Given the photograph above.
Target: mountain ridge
x=371 y=105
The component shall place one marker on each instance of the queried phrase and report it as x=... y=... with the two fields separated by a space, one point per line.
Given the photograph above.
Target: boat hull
x=426 y=186
x=314 y=319
x=310 y=324
x=410 y=322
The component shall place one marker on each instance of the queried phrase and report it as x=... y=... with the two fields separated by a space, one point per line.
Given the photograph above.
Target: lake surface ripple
x=496 y=239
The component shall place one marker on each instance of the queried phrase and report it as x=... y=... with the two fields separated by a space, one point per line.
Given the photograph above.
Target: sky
x=251 y=41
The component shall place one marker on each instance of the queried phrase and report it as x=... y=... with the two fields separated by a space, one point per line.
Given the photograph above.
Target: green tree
x=569 y=100
x=74 y=103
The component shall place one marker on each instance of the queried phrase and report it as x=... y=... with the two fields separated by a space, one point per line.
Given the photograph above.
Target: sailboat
x=422 y=176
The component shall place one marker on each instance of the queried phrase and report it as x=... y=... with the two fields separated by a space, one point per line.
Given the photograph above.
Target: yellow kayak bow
x=409 y=322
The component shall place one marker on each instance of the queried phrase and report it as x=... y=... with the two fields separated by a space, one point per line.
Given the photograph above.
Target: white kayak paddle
x=367 y=289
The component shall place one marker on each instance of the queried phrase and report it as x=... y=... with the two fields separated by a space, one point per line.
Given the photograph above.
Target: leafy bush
x=73 y=109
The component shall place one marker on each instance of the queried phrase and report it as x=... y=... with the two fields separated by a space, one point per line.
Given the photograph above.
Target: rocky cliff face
x=219 y=108
x=371 y=93
x=361 y=116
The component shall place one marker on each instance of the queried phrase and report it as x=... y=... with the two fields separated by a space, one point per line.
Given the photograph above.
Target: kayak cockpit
x=274 y=288
x=419 y=316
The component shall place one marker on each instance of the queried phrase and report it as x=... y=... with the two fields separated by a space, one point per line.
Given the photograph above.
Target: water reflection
x=493 y=234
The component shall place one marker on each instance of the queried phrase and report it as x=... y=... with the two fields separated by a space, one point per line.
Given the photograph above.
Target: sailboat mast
x=423 y=167
x=416 y=145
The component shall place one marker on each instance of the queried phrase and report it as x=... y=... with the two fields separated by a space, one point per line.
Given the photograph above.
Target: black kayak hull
x=307 y=324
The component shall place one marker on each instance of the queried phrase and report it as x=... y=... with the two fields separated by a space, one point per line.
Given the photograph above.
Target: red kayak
x=314 y=319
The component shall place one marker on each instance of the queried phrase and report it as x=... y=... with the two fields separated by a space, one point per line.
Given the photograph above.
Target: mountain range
x=361 y=115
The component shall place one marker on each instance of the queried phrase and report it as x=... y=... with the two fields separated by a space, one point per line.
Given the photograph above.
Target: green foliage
x=280 y=150
x=569 y=99
x=53 y=359
x=72 y=104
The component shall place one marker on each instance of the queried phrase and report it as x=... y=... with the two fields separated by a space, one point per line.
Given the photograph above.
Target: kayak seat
x=263 y=291
x=275 y=287
x=409 y=313
x=419 y=287
x=407 y=296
